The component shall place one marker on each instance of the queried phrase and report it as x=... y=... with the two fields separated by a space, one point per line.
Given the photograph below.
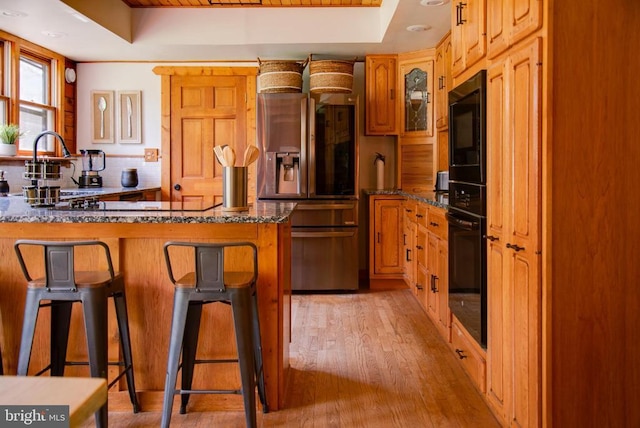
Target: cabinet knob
x=177 y=187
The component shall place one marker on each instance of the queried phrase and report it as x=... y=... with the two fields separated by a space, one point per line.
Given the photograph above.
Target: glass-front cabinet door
x=417 y=89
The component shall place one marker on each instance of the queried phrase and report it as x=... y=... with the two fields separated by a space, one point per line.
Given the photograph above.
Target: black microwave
x=467 y=130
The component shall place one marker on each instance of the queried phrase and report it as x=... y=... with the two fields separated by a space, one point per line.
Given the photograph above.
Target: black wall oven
x=467 y=206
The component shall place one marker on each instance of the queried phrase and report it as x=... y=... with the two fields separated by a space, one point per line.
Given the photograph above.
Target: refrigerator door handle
x=311 y=157
x=322 y=234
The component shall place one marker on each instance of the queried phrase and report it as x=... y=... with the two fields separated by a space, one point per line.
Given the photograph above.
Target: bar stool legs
x=207 y=284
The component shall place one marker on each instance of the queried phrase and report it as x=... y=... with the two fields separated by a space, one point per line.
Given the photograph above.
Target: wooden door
x=457 y=40
x=497 y=32
x=203 y=107
x=381 y=95
x=443 y=287
x=434 y=277
x=524 y=17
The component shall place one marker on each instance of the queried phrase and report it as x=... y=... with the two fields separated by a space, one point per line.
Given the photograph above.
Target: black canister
x=4 y=186
x=129 y=177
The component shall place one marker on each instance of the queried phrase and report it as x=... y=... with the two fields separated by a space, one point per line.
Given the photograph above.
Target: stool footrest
x=208 y=391
x=216 y=361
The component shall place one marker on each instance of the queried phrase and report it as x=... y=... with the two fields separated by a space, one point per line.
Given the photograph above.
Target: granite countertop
x=437 y=199
x=13 y=209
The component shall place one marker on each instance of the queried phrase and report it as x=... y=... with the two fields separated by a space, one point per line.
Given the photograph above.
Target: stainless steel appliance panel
x=282 y=124
x=325 y=213
x=324 y=258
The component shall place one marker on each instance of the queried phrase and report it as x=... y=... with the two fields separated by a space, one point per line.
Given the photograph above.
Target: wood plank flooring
x=366 y=359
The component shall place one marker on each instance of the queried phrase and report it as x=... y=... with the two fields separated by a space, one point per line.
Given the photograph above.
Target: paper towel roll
x=379 y=174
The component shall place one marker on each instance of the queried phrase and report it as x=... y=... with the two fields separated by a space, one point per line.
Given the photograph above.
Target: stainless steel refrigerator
x=309 y=155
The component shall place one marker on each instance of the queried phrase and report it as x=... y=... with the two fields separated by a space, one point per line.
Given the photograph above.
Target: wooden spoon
x=229 y=156
x=217 y=150
x=250 y=155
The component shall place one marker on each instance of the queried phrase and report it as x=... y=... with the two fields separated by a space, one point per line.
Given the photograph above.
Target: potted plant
x=9 y=134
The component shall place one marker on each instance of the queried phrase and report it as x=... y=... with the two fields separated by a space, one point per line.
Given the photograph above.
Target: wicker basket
x=280 y=76
x=331 y=76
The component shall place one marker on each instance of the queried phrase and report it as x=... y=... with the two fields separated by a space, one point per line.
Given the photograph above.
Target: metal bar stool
x=61 y=286
x=209 y=283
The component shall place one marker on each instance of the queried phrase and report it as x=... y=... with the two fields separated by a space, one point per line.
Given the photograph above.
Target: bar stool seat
x=60 y=287
x=209 y=283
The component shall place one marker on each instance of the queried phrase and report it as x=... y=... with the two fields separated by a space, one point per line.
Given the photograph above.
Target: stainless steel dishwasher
x=324 y=245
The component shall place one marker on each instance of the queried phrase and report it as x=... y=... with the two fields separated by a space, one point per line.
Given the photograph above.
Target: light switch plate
x=151 y=155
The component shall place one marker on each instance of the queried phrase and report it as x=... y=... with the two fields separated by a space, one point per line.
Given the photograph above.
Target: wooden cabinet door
x=434 y=278
x=497 y=30
x=381 y=95
x=498 y=318
x=386 y=237
x=468 y=32
x=509 y=22
x=416 y=106
x=443 y=287
x=514 y=216
x=443 y=79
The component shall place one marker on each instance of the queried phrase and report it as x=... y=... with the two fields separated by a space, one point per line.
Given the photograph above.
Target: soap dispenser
x=4 y=186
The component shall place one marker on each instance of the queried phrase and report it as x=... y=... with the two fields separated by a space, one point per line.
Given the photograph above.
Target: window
x=37 y=113
x=31 y=92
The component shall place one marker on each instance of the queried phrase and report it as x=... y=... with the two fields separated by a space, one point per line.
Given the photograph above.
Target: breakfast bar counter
x=135 y=233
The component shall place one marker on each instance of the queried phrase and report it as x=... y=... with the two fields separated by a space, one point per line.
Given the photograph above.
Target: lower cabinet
x=438 y=270
x=385 y=237
x=409 y=239
x=471 y=356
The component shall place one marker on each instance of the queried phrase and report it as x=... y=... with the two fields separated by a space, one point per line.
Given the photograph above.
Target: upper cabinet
x=509 y=22
x=416 y=81
x=468 y=34
x=381 y=95
x=443 y=82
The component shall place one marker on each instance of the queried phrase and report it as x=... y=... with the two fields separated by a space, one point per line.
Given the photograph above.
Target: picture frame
x=102 y=115
x=129 y=119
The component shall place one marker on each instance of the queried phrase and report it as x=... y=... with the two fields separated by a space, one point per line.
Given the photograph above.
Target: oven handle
x=322 y=234
x=463 y=224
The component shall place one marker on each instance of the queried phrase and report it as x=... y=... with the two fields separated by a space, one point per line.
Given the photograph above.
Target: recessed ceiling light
x=12 y=14
x=418 y=28
x=433 y=2
x=54 y=34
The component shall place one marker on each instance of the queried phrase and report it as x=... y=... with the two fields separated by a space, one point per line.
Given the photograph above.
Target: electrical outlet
x=151 y=155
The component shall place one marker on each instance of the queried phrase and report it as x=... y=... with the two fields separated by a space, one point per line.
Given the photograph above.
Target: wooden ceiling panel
x=252 y=3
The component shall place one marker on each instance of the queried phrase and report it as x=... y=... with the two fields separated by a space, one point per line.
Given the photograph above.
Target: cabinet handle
x=408 y=255
x=492 y=238
x=434 y=289
x=419 y=287
x=378 y=237
x=392 y=94
x=404 y=239
x=434 y=224
x=460 y=355
x=419 y=215
x=515 y=247
x=459 y=19
x=419 y=247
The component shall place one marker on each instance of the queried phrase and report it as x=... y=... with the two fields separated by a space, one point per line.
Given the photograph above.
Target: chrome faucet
x=65 y=152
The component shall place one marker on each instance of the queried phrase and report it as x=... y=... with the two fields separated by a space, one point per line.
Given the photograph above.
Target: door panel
x=205 y=111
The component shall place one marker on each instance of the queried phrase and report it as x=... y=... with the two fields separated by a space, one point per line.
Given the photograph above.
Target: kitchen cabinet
x=415 y=74
x=421 y=255
x=469 y=353
x=443 y=82
x=514 y=242
x=437 y=271
x=385 y=237
x=409 y=241
x=381 y=95
x=468 y=34
x=509 y=22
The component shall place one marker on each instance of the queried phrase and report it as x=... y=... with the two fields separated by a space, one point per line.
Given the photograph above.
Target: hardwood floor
x=367 y=359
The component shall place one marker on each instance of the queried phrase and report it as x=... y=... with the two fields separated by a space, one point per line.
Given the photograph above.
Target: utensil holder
x=234 y=188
